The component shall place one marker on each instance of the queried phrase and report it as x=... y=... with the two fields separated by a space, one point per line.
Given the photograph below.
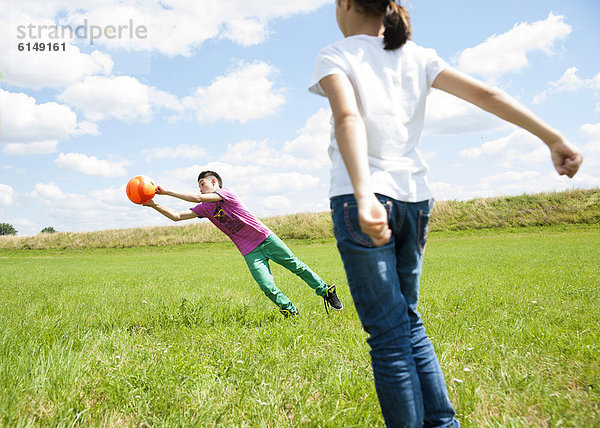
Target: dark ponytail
x=396 y=21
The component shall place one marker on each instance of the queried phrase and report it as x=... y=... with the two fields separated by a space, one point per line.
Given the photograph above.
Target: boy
x=253 y=239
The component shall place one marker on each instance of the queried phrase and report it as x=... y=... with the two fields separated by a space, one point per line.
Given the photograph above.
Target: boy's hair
x=396 y=21
x=205 y=174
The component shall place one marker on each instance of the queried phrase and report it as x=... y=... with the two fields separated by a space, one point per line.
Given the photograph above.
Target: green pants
x=274 y=249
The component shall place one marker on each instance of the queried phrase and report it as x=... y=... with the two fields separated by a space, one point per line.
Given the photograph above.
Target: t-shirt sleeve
x=199 y=209
x=226 y=194
x=433 y=65
x=329 y=61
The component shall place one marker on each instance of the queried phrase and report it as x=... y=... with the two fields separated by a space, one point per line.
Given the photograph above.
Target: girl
x=377 y=81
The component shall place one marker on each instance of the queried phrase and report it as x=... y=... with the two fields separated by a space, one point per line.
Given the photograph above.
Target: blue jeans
x=384 y=282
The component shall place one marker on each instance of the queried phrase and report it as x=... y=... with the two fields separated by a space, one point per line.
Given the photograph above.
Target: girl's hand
x=150 y=203
x=159 y=190
x=565 y=157
x=373 y=220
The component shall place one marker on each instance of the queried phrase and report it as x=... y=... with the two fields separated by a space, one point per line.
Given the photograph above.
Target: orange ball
x=140 y=189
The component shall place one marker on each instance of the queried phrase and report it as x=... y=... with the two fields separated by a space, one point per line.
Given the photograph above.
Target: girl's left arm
x=565 y=157
x=352 y=141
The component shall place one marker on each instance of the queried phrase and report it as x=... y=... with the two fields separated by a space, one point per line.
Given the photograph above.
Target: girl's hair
x=205 y=174
x=396 y=21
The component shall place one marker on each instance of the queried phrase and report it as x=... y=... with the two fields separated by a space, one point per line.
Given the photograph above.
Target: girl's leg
x=411 y=236
x=383 y=311
x=276 y=250
x=258 y=264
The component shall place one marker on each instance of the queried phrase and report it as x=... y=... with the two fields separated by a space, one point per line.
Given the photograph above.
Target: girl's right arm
x=565 y=157
x=351 y=137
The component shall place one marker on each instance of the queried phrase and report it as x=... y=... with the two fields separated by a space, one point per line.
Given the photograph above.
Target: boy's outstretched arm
x=208 y=197
x=170 y=213
x=565 y=157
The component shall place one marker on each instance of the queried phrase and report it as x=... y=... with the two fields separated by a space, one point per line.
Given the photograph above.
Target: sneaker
x=287 y=313
x=332 y=300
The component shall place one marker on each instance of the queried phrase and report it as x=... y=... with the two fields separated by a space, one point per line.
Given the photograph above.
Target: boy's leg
x=258 y=264
x=276 y=250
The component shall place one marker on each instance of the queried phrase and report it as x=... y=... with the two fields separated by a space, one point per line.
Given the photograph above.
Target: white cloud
x=24 y=149
x=112 y=195
x=244 y=94
x=43 y=71
x=254 y=184
x=509 y=177
x=245 y=32
x=6 y=195
x=251 y=152
x=518 y=146
x=183 y=151
x=20 y=223
x=277 y=203
x=307 y=151
x=121 y=97
x=591 y=130
x=116 y=196
x=446 y=114
x=521 y=149
x=23 y=120
x=184 y=179
x=428 y=155
x=283 y=182
x=507 y=52
x=37 y=70
x=189 y=23
x=591 y=150
x=48 y=192
x=515 y=183
x=312 y=143
x=568 y=82
x=85 y=127
x=512 y=183
x=66 y=211
x=448 y=191
x=89 y=165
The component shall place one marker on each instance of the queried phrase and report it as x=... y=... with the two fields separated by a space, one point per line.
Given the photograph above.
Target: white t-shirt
x=391 y=87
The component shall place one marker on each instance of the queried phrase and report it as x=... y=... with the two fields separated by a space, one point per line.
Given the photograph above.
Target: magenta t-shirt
x=233 y=218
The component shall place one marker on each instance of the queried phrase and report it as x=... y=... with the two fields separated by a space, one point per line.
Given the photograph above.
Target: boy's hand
x=565 y=157
x=373 y=220
x=150 y=203
x=159 y=190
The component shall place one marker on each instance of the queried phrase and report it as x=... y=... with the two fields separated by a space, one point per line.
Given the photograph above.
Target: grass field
x=182 y=336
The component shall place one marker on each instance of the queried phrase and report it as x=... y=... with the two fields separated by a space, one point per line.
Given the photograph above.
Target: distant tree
x=7 y=229
x=48 y=229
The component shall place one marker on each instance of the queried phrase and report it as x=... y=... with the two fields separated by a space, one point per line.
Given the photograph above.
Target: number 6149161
x=41 y=47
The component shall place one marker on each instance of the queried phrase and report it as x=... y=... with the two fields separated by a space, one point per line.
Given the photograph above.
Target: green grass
x=182 y=336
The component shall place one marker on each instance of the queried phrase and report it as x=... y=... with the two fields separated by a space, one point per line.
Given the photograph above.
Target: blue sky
x=223 y=85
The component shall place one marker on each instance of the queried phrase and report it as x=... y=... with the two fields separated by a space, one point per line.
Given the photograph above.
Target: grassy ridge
x=542 y=209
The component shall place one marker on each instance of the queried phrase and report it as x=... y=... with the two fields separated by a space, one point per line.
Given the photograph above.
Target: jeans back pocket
x=353 y=225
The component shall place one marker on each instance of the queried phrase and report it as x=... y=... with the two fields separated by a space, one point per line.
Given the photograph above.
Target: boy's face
x=208 y=184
